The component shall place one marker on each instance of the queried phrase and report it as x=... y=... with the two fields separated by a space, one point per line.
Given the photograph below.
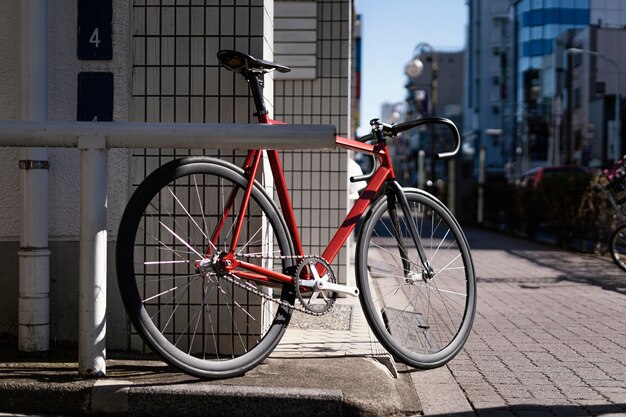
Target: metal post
x=93 y=257
x=34 y=281
x=452 y=185
x=421 y=172
x=481 y=185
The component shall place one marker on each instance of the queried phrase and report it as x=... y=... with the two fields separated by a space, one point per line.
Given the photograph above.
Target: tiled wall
x=295 y=38
x=318 y=180
x=176 y=78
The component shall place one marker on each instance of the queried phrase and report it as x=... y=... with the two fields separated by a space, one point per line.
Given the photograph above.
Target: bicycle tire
x=200 y=322
x=422 y=323
x=617 y=246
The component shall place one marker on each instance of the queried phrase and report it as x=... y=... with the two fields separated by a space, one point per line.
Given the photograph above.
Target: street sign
x=94 y=29
x=95 y=96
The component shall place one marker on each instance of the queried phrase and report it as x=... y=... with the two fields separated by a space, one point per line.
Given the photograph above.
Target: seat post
x=255 y=81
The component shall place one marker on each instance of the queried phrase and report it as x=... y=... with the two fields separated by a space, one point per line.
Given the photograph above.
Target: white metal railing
x=93 y=140
x=161 y=135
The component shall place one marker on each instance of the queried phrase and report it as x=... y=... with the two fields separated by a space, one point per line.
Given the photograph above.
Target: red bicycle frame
x=251 y=271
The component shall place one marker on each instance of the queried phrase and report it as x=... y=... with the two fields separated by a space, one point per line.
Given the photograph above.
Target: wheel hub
x=216 y=264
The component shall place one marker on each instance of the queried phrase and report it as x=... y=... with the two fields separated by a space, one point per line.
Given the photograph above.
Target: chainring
x=311 y=271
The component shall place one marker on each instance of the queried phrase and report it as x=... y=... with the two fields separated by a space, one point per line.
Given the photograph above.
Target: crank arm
x=344 y=289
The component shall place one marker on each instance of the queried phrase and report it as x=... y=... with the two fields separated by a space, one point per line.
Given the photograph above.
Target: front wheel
x=422 y=320
x=617 y=246
x=195 y=316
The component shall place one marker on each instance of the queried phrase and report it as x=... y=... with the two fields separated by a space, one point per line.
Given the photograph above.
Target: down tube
x=355 y=214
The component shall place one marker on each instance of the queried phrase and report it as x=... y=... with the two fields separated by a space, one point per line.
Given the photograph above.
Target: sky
x=390 y=30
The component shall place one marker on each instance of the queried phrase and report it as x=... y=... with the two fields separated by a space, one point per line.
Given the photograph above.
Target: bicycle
x=612 y=183
x=210 y=267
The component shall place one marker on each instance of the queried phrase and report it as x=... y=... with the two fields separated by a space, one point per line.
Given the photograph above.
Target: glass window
x=581 y=4
x=551 y=31
x=551 y=4
x=566 y=16
x=567 y=4
x=536 y=32
x=536 y=4
x=535 y=17
x=547 y=46
x=535 y=62
x=535 y=48
x=523 y=7
x=581 y=16
x=525 y=34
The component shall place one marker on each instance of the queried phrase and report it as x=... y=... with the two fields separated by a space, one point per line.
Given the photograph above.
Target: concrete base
x=63 y=294
x=277 y=387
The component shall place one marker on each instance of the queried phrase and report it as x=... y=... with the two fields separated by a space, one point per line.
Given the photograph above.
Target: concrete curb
x=315 y=387
x=122 y=398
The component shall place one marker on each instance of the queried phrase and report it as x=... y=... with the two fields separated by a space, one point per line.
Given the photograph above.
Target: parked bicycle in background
x=610 y=186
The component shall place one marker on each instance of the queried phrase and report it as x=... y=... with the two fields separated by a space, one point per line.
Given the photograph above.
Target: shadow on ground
x=573 y=267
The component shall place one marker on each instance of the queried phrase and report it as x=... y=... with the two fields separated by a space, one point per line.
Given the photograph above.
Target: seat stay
x=254 y=166
x=285 y=200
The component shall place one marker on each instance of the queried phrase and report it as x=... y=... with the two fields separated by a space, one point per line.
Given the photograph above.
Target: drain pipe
x=34 y=265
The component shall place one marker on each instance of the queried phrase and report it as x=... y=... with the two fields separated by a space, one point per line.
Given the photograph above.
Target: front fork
x=395 y=196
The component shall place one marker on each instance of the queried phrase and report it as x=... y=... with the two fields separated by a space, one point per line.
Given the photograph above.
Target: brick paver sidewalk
x=549 y=337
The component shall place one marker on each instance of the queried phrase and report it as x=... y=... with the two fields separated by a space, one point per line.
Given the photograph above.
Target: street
x=549 y=338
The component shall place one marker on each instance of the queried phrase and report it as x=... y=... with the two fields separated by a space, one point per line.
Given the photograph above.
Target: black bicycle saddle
x=238 y=61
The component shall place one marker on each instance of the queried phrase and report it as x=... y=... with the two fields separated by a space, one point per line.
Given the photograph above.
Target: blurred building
x=488 y=108
x=585 y=96
x=528 y=101
x=433 y=90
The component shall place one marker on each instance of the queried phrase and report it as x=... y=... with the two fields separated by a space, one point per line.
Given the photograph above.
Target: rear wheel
x=185 y=308
x=422 y=320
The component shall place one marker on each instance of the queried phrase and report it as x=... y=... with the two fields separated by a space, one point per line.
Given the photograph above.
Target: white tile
x=295 y=36
x=296 y=60
x=297 y=74
x=295 y=23
x=295 y=9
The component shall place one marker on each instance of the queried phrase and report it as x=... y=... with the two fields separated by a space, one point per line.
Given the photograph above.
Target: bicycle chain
x=240 y=283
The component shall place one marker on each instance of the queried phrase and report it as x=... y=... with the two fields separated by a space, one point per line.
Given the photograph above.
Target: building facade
x=432 y=92
x=592 y=84
x=521 y=104
x=488 y=109
x=164 y=69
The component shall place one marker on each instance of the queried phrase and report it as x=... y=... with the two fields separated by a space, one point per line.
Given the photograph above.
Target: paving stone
x=544 y=319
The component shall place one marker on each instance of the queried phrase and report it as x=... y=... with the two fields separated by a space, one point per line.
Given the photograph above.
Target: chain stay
x=242 y=284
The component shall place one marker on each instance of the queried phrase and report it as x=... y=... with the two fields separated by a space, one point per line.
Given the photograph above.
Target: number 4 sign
x=94 y=29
